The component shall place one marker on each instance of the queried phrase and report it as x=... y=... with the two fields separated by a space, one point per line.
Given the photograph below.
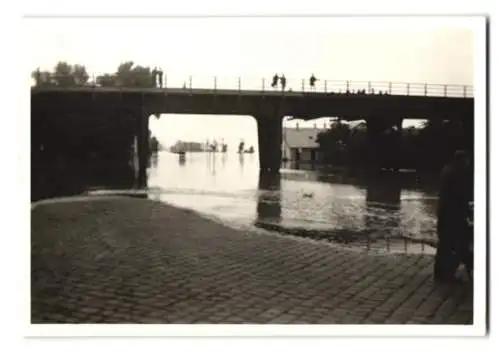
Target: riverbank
x=369 y=240
x=122 y=259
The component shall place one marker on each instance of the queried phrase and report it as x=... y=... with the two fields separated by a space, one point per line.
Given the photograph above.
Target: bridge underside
x=135 y=107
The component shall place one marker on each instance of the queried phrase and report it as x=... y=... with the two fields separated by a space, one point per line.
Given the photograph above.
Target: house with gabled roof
x=300 y=144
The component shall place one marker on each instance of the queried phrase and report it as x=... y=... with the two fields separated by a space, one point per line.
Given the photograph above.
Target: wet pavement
x=129 y=260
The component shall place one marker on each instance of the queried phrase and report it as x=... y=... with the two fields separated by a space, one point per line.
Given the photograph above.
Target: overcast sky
x=331 y=48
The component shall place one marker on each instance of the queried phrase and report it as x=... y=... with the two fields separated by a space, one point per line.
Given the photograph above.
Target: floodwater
x=375 y=211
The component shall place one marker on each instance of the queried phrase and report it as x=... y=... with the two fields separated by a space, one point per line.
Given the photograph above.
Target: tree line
x=75 y=150
x=425 y=148
x=127 y=74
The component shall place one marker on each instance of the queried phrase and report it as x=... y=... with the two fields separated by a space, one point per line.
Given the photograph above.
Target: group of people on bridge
x=282 y=81
x=157 y=77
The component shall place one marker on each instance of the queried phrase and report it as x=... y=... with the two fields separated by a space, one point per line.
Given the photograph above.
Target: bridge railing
x=294 y=85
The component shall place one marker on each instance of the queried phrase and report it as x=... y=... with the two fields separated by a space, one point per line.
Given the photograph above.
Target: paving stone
x=166 y=265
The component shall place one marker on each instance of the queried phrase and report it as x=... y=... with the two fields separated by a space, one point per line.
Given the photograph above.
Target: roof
x=301 y=138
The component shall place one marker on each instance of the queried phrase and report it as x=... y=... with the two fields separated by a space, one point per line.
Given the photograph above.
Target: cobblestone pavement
x=128 y=260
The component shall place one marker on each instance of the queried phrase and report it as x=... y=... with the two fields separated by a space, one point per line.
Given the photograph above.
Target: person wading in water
x=453 y=208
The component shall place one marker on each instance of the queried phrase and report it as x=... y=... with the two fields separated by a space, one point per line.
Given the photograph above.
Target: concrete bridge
x=380 y=109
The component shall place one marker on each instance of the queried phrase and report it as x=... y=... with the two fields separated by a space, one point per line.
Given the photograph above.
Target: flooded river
x=375 y=211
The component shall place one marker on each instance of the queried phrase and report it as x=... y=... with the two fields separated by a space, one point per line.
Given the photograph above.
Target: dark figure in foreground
x=454 y=232
x=274 y=83
x=283 y=82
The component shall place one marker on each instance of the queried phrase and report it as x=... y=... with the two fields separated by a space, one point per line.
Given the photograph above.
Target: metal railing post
x=407 y=88
x=326 y=84
x=263 y=84
x=190 y=83
x=390 y=87
x=347 y=86
x=425 y=89
x=302 y=85
x=465 y=91
x=93 y=86
x=239 y=84
x=445 y=90
x=215 y=83
x=369 y=87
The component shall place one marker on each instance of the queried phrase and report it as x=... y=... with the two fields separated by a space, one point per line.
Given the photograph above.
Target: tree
x=106 y=80
x=334 y=141
x=80 y=75
x=63 y=75
x=42 y=78
x=127 y=75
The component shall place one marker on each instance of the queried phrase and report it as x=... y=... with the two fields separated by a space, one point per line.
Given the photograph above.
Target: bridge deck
x=205 y=91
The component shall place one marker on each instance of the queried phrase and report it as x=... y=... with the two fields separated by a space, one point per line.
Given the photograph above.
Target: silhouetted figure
x=160 y=78
x=241 y=147
x=453 y=211
x=154 y=77
x=275 y=79
x=283 y=82
x=38 y=77
x=312 y=81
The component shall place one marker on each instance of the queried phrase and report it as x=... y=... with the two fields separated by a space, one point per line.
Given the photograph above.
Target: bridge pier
x=270 y=139
x=384 y=134
x=142 y=135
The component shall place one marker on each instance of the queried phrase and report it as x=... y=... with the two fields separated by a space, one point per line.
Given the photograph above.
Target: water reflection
x=241 y=159
x=230 y=187
x=182 y=159
x=269 y=198
x=383 y=204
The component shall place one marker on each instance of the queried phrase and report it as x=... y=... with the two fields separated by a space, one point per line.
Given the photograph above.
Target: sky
x=334 y=49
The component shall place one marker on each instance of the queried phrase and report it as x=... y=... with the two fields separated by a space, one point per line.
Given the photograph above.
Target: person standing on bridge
x=154 y=77
x=38 y=77
x=312 y=82
x=160 y=77
x=283 y=82
x=275 y=79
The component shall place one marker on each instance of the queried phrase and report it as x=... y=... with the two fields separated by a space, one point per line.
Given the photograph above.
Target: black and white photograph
x=316 y=172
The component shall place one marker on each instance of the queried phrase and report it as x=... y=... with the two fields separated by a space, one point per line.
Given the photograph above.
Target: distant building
x=300 y=145
x=183 y=146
